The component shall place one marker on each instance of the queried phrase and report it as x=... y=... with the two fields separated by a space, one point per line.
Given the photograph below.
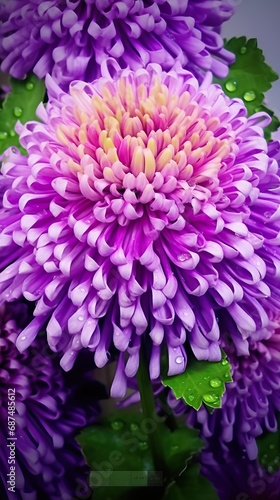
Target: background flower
x=49 y=462
x=237 y=478
x=139 y=211
x=72 y=40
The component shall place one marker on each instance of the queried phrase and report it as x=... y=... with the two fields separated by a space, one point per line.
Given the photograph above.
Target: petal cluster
x=235 y=477
x=49 y=462
x=146 y=204
x=74 y=40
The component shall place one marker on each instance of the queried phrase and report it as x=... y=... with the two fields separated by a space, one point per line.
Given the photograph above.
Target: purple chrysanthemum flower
x=49 y=462
x=73 y=40
x=145 y=204
x=237 y=478
x=251 y=402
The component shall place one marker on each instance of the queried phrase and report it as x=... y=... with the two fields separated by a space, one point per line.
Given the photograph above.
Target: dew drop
x=23 y=337
x=17 y=111
x=267 y=214
x=249 y=96
x=210 y=398
x=134 y=427
x=224 y=362
x=183 y=257
x=215 y=382
x=29 y=86
x=12 y=133
x=143 y=445
x=80 y=318
x=227 y=375
x=190 y=398
x=231 y=85
x=117 y=425
x=243 y=50
x=179 y=360
x=3 y=135
x=82 y=290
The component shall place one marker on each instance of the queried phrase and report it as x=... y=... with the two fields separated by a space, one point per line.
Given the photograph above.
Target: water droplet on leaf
x=12 y=133
x=117 y=425
x=224 y=362
x=215 y=382
x=231 y=85
x=134 y=427
x=210 y=398
x=143 y=445
x=249 y=96
x=17 y=111
x=29 y=86
x=3 y=135
x=243 y=50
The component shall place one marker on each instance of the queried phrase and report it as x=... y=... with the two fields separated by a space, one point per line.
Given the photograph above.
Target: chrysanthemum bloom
x=49 y=462
x=251 y=402
x=73 y=40
x=237 y=478
x=142 y=207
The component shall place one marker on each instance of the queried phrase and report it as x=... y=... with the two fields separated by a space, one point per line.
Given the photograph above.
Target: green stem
x=149 y=410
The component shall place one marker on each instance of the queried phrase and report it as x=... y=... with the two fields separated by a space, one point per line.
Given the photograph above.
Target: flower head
x=138 y=213
x=48 y=415
x=251 y=402
x=74 y=40
x=236 y=478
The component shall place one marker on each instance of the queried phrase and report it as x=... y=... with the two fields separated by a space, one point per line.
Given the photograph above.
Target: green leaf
x=191 y=485
x=249 y=77
x=20 y=104
x=202 y=382
x=118 y=452
x=269 y=450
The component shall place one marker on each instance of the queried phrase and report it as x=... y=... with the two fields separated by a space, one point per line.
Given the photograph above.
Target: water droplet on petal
x=17 y=111
x=143 y=445
x=268 y=214
x=243 y=50
x=82 y=290
x=183 y=257
x=23 y=337
x=224 y=362
x=80 y=318
x=249 y=96
x=3 y=135
x=29 y=86
x=210 y=398
x=215 y=382
x=231 y=85
x=117 y=425
x=179 y=360
x=134 y=427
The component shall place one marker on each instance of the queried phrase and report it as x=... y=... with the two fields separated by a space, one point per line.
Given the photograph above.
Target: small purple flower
x=48 y=415
x=251 y=402
x=77 y=39
x=237 y=478
x=146 y=204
